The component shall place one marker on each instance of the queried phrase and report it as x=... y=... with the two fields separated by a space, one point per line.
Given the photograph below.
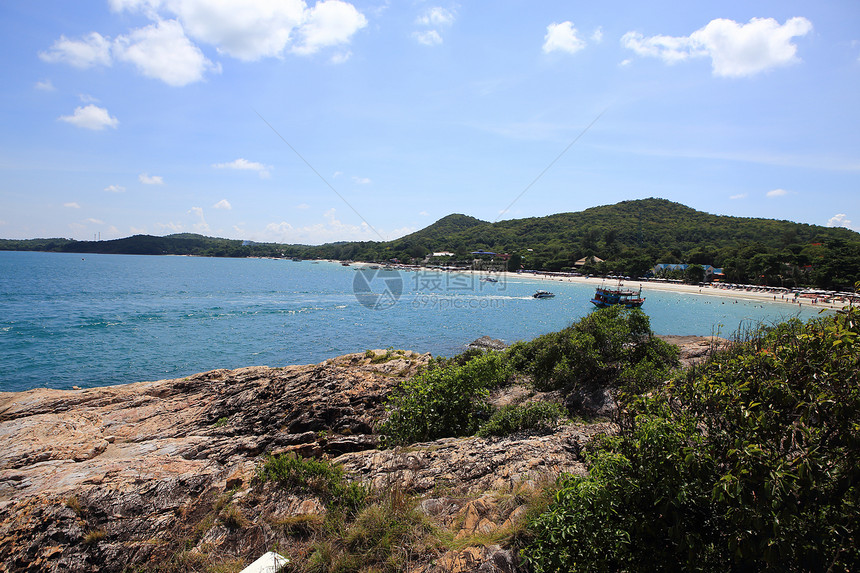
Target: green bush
x=538 y=416
x=449 y=400
x=612 y=347
x=317 y=477
x=750 y=462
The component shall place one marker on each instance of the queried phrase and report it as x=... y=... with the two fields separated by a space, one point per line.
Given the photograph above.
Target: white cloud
x=256 y=29
x=428 y=38
x=95 y=221
x=433 y=20
x=361 y=180
x=137 y=230
x=222 y=204
x=91 y=117
x=436 y=16
x=92 y=50
x=328 y=23
x=735 y=49
x=133 y=5
x=201 y=226
x=45 y=86
x=115 y=189
x=424 y=214
x=597 y=35
x=738 y=196
x=147 y=179
x=331 y=229
x=303 y=206
x=341 y=57
x=244 y=165
x=171 y=226
x=248 y=30
x=744 y=50
x=777 y=193
x=162 y=51
x=244 y=30
x=562 y=38
x=72 y=205
x=839 y=220
x=668 y=48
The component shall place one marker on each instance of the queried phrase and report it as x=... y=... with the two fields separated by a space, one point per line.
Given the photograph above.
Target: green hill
x=178 y=244
x=660 y=226
x=632 y=236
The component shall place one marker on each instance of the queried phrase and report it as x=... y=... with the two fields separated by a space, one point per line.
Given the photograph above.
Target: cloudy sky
x=309 y=122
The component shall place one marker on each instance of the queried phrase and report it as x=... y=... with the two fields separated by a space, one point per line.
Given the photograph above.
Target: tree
x=694 y=274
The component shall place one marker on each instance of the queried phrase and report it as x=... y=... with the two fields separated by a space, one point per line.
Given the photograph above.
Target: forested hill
x=630 y=237
x=660 y=226
x=178 y=244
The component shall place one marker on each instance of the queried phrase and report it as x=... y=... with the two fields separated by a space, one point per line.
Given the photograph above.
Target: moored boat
x=605 y=297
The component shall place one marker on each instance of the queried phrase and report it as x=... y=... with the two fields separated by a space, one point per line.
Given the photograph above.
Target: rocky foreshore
x=124 y=477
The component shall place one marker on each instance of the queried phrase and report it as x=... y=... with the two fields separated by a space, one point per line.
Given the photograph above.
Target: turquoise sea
x=92 y=320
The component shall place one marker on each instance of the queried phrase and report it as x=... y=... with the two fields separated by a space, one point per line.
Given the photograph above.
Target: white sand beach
x=751 y=293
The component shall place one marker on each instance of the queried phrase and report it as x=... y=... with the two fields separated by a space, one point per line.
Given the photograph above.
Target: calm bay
x=93 y=320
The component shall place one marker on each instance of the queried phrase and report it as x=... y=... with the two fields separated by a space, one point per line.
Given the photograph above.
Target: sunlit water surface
x=94 y=320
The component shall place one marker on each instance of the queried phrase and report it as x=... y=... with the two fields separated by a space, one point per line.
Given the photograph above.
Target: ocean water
x=93 y=320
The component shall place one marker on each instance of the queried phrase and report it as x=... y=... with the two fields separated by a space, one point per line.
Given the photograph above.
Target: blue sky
x=294 y=122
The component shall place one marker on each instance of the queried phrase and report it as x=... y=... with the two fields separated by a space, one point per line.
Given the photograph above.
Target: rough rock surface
x=487 y=343
x=695 y=349
x=97 y=479
x=473 y=465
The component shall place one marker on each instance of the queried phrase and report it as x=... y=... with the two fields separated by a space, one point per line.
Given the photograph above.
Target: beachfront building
x=677 y=270
x=489 y=261
x=592 y=260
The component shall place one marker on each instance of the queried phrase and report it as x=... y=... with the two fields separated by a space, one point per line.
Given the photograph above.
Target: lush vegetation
x=610 y=348
x=630 y=237
x=448 y=400
x=750 y=462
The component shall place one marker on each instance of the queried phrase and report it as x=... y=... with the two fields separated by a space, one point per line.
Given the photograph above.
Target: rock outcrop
x=487 y=343
x=100 y=479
